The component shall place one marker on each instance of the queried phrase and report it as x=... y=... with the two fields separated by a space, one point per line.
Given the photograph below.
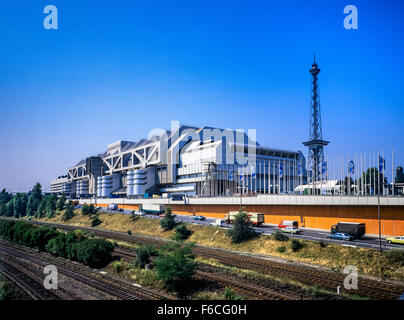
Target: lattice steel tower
x=316 y=142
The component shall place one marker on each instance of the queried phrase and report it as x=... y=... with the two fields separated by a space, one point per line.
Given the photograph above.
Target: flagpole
x=378 y=204
x=392 y=172
x=383 y=163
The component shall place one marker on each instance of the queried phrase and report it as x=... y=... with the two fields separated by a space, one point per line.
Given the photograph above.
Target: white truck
x=153 y=208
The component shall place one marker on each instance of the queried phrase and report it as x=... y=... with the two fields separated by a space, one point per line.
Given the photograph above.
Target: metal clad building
x=188 y=160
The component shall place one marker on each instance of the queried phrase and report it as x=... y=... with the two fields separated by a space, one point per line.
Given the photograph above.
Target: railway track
x=114 y=287
x=310 y=276
x=248 y=288
x=31 y=287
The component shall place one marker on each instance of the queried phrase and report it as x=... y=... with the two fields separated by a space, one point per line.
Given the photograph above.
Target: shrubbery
x=241 y=230
x=175 y=266
x=143 y=254
x=230 y=294
x=95 y=221
x=92 y=252
x=69 y=212
x=168 y=222
x=296 y=245
x=88 y=210
x=281 y=249
x=396 y=256
x=181 y=232
x=279 y=236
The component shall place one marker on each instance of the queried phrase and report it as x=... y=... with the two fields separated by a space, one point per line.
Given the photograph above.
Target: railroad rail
x=248 y=288
x=114 y=287
x=310 y=276
x=27 y=284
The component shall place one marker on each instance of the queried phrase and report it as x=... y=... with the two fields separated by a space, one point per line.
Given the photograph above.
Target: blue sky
x=116 y=70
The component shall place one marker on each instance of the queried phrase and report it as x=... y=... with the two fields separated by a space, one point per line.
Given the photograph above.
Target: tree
x=181 y=232
x=168 y=222
x=241 y=229
x=399 y=175
x=61 y=203
x=34 y=199
x=143 y=254
x=69 y=211
x=175 y=266
x=94 y=253
x=5 y=197
x=19 y=205
x=40 y=211
x=50 y=206
x=371 y=178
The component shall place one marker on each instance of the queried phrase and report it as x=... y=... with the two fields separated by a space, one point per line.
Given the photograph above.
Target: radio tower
x=316 y=142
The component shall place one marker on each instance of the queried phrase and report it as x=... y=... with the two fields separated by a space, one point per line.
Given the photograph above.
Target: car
x=138 y=213
x=162 y=215
x=198 y=218
x=398 y=240
x=290 y=230
x=340 y=236
x=218 y=223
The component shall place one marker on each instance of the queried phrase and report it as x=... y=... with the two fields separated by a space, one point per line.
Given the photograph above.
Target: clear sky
x=117 y=69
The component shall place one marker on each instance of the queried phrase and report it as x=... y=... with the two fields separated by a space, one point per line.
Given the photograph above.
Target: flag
x=299 y=169
x=382 y=164
x=351 y=167
x=230 y=175
x=281 y=171
x=253 y=172
x=324 y=169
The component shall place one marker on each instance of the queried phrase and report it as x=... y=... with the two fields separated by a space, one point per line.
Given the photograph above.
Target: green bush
x=396 y=256
x=143 y=254
x=279 y=236
x=296 y=245
x=281 y=249
x=230 y=294
x=168 y=222
x=118 y=266
x=241 y=231
x=129 y=232
x=88 y=210
x=175 y=266
x=322 y=244
x=6 y=291
x=95 y=221
x=69 y=212
x=181 y=232
x=94 y=253
x=91 y=252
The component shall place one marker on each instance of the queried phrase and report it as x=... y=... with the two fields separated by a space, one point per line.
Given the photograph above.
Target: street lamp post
x=241 y=197
x=378 y=216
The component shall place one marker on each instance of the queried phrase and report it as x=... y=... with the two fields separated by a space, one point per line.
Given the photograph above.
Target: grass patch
x=333 y=256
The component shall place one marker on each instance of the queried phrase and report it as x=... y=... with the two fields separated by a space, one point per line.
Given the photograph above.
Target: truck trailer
x=354 y=229
x=153 y=208
x=254 y=218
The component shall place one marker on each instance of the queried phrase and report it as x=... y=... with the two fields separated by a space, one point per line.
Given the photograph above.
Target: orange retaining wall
x=317 y=217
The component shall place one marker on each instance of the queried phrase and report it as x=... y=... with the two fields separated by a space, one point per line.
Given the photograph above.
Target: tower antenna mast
x=316 y=142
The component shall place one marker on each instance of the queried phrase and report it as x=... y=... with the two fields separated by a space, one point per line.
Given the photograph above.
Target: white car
x=218 y=223
x=290 y=230
x=138 y=213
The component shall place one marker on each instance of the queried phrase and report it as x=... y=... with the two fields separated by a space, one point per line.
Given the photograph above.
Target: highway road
x=307 y=234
